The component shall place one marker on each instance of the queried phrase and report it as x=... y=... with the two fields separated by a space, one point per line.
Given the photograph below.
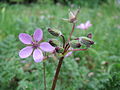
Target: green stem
x=44 y=76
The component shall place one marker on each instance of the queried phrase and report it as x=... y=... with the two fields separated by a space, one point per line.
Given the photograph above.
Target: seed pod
x=59 y=49
x=73 y=16
x=86 y=41
x=54 y=42
x=75 y=44
x=54 y=32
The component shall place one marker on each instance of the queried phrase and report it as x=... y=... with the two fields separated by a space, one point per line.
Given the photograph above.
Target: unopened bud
x=54 y=32
x=89 y=35
x=59 y=49
x=54 y=42
x=75 y=44
x=86 y=41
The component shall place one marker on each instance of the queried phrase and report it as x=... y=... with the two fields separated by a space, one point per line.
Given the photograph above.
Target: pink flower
x=34 y=46
x=84 y=26
x=69 y=53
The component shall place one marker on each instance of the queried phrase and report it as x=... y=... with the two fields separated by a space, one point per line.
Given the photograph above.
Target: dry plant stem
x=73 y=27
x=57 y=73
x=45 y=88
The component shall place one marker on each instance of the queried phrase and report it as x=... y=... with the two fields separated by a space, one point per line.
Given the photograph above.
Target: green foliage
x=88 y=3
x=16 y=0
x=114 y=82
x=8 y=53
x=82 y=3
x=95 y=69
x=45 y=1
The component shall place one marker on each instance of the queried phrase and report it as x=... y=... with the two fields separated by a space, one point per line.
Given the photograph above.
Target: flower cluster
x=66 y=47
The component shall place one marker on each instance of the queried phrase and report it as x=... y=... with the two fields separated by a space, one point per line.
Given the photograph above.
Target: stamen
x=35 y=44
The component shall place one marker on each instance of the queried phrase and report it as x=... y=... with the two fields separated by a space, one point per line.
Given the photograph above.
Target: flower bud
x=54 y=42
x=89 y=35
x=75 y=44
x=54 y=32
x=59 y=49
x=86 y=41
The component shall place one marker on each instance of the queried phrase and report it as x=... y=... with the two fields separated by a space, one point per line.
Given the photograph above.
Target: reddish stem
x=73 y=27
x=78 y=49
x=57 y=73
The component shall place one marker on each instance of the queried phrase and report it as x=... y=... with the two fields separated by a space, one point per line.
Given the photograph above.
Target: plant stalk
x=63 y=40
x=44 y=74
x=57 y=73
x=73 y=27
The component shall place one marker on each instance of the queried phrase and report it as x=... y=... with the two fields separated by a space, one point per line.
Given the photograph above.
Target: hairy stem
x=57 y=73
x=45 y=88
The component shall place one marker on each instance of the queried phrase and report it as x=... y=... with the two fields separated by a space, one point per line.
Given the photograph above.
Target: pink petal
x=88 y=24
x=25 y=52
x=68 y=54
x=45 y=46
x=25 y=38
x=38 y=35
x=81 y=26
x=37 y=55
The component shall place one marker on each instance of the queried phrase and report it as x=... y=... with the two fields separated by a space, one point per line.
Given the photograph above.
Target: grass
x=100 y=60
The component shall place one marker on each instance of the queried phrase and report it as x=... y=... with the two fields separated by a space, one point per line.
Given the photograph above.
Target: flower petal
x=88 y=24
x=38 y=35
x=68 y=54
x=45 y=46
x=25 y=52
x=25 y=38
x=81 y=26
x=37 y=55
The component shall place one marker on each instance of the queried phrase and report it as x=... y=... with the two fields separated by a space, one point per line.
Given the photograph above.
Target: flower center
x=35 y=44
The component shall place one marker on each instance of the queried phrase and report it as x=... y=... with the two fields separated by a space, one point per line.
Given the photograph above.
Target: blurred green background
x=95 y=69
